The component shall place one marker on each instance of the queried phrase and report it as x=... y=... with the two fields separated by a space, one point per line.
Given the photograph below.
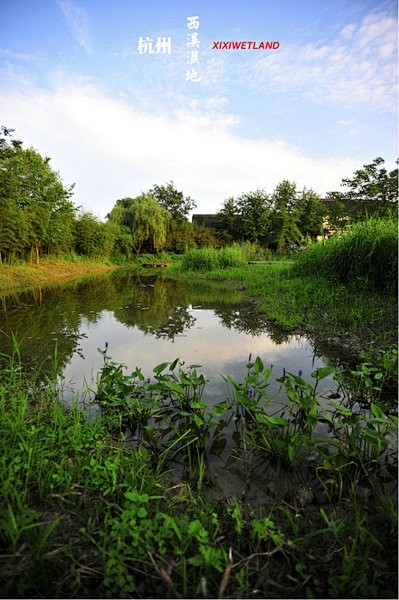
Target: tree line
x=38 y=216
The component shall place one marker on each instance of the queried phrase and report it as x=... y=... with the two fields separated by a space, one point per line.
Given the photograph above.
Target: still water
x=147 y=320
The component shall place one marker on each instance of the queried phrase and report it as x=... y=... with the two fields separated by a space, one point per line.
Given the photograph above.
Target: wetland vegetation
x=96 y=509
x=125 y=505
x=122 y=498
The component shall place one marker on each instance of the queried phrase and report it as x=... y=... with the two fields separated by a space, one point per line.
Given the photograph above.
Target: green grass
x=48 y=271
x=207 y=259
x=85 y=515
x=365 y=254
x=349 y=316
x=343 y=289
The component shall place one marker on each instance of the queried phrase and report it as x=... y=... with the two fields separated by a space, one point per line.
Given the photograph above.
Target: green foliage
x=36 y=214
x=146 y=220
x=175 y=398
x=376 y=375
x=177 y=205
x=180 y=237
x=365 y=253
x=93 y=238
x=256 y=252
x=84 y=514
x=284 y=217
x=372 y=191
x=141 y=530
x=155 y=221
x=278 y=220
x=309 y=213
x=228 y=219
x=207 y=259
x=254 y=209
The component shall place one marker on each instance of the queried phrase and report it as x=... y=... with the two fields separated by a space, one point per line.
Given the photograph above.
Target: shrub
x=208 y=259
x=230 y=257
x=254 y=251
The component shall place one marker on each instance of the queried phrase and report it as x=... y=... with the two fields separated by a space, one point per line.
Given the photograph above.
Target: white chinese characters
x=193 y=47
x=162 y=45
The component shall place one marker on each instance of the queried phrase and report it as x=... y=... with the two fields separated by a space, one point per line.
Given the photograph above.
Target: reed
x=366 y=253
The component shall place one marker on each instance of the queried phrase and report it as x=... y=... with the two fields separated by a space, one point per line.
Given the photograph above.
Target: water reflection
x=146 y=321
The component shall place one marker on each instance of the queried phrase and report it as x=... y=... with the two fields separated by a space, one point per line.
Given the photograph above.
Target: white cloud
x=112 y=149
x=358 y=67
x=6 y=53
x=78 y=22
x=348 y=31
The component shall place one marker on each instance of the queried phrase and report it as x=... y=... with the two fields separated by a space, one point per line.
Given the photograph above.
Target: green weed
x=365 y=253
x=208 y=259
x=87 y=513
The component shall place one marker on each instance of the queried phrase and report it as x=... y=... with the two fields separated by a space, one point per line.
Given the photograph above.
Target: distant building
x=205 y=220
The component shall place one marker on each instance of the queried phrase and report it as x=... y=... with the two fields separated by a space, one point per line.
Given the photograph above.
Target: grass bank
x=344 y=289
x=366 y=254
x=53 y=270
x=49 y=270
x=348 y=316
x=88 y=513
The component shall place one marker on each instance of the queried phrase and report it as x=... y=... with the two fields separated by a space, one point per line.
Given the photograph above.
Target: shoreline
x=14 y=278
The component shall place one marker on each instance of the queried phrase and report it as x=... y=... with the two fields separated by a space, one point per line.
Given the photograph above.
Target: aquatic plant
x=89 y=512
x=281 y=424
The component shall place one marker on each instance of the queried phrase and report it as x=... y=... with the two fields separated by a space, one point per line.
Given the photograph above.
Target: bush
x=230 y=257
x=208 y=259
x=367 y=253
x=254 y=251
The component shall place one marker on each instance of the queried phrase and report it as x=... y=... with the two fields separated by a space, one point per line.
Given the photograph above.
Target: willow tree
x=146 y=220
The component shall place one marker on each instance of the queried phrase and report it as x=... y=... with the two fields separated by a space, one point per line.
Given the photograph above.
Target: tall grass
x=366 y=253
x=209 y=259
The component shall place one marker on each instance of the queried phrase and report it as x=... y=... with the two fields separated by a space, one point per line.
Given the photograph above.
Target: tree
x=93 y=238
x=284 y=216
x=180 y=237
x=146 y=220
x=254 y=209
x=309 y=213
x=229 y=219
x=372 y=190
x=14 y=233
x=178 y=205
x=29 y=186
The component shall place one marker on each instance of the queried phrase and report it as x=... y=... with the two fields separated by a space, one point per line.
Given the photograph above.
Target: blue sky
x=115 y=121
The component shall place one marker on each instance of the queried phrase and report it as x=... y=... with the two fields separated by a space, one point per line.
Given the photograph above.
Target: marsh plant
x=365 y=253
x=166 y=410
x=281 y=424
x=94 y=509
x=207 y=259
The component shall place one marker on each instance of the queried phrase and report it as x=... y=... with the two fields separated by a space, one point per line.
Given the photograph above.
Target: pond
x=147 y=320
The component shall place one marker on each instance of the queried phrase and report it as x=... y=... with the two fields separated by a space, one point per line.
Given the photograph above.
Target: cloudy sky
x=126 y=94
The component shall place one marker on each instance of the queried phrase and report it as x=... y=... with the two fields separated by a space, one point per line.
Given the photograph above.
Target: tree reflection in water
x=61 y=316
